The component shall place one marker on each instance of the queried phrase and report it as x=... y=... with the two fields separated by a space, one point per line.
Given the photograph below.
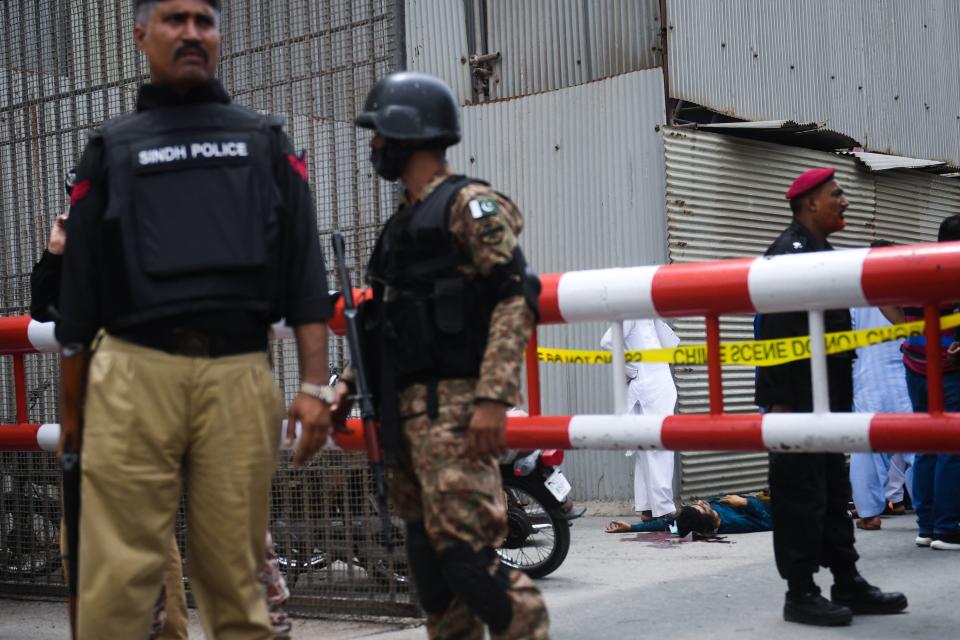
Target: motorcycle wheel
x=538 y=536
x=29 y=539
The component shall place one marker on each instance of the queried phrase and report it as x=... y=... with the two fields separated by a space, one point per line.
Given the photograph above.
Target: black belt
x=196 y=344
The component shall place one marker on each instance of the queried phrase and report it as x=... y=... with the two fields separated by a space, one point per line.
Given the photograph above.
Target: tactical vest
x=433 y=320
x=193 y=207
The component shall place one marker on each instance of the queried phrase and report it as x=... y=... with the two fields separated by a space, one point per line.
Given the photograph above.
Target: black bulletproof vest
x=433 y=319
x=193 y=207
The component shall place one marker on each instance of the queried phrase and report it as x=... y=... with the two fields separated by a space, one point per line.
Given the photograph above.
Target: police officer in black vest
x=452 y=312
x=191 y=231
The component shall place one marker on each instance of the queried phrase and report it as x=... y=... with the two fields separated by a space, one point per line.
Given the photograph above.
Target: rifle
x=367 y=413
x=73 y=385
x=73 y=382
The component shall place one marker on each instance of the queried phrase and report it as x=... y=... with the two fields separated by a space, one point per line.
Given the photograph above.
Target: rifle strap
x=433 y=401
x=390 y=424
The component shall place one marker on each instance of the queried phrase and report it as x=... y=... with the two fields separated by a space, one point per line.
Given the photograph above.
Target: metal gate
x=66 y=66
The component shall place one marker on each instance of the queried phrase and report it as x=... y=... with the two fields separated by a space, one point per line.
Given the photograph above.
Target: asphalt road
x=630 y=586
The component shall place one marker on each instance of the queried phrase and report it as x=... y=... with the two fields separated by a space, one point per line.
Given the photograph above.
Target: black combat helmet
x=409 y=106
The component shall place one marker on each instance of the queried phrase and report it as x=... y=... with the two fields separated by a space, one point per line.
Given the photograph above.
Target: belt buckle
x=192 y=343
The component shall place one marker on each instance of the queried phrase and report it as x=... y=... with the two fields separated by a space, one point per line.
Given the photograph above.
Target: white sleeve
x=606 y=343
x=668 y=338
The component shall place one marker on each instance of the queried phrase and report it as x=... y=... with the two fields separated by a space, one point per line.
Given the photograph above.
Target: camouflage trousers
x=460 y=500
x=163 y=627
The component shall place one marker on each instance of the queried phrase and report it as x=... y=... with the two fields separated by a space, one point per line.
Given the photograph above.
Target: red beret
x=809 y=180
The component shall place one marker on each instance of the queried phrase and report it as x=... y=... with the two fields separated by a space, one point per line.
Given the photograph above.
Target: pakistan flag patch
x=483 y=208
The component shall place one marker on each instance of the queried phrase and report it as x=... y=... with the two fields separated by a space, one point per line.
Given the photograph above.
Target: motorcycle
x=539 y=513
x=539 y=516
x=29 y=527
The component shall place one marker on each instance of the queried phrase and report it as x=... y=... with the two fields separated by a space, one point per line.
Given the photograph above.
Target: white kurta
x=650 y=390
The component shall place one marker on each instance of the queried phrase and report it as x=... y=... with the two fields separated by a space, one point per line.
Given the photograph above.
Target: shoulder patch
x=299 y=165
x=483 y=207
x=79 y=191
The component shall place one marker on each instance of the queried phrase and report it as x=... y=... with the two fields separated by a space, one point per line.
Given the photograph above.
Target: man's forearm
x=312 y=350
x=510 y=327
x=893 y=313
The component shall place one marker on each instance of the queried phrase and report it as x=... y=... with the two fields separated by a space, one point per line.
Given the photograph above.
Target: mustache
x=183 y=50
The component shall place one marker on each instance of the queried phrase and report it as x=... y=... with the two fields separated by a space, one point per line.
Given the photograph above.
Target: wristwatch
x=322 y=392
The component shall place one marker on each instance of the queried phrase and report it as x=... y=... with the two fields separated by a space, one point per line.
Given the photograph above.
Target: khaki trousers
x=149 y=417
x=174 y=598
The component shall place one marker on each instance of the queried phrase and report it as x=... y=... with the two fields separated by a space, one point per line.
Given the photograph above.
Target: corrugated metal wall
x=550 y=44
x=911 y=205
x=436 y=42
x=725 y=200
x=881 y=72
x=544 y=44
x=585 y=165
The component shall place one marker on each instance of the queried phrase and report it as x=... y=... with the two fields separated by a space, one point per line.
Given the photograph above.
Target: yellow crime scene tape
x=752 y=353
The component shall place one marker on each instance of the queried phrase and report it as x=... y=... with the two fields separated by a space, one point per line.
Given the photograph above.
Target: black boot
x=864 y=598
x=809 y=607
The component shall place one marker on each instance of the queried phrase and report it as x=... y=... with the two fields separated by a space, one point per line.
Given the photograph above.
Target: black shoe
x=809 y=607
x=863 y=598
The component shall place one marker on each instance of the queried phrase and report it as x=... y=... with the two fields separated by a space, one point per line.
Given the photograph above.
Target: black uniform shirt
x=93 y=292
x=45 y=287
x=790 y=383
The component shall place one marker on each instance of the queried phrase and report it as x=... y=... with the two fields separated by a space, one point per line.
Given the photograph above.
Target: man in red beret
x=809 y=492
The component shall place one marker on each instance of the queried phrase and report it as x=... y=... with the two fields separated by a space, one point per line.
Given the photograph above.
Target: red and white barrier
x=821 y=280
x=796 y=432
x=29 y=437
x=924 y=274
x=22 y=334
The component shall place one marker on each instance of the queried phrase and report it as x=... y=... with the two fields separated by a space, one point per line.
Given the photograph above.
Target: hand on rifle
x=61 y=444
x=341 y=408
x=314 y=417
x=485 y=436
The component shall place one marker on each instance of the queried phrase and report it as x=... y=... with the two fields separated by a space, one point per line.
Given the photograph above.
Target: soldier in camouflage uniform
x=453 y=308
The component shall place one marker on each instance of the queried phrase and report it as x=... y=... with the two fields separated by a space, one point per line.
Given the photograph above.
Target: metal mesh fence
x=68 y=65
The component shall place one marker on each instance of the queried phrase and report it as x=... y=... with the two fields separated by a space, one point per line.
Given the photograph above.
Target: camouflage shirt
x=488 y=241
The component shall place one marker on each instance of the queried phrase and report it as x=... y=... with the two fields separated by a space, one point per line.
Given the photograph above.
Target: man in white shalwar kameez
x=650 y=390
x=879 y=385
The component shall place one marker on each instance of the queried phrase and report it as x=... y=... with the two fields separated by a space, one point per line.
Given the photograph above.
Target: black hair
x=949 y=229
x=796 y=205
x=881 y=243
x=692 y=519
x=143 y=8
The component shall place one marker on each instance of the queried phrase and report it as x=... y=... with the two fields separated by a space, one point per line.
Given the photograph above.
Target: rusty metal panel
x=871 y=70
x=585 y=166
x=543 y=44
x=551 y=44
